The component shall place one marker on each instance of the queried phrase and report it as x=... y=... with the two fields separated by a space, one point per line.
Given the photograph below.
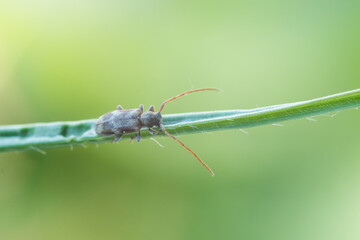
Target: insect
x=121 y=121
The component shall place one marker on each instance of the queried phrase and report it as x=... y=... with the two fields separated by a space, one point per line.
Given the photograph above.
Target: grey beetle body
x=120 y=121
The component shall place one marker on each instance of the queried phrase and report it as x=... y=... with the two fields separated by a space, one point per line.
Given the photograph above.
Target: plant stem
x=59 y=134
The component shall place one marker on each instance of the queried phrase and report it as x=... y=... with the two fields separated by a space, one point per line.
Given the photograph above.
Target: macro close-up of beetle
x=122 y=121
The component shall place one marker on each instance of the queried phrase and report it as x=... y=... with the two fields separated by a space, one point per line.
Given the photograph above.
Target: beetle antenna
x=163 y=129
x=184 y=93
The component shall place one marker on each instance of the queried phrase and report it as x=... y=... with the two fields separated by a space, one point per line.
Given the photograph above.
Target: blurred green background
x=72 y=60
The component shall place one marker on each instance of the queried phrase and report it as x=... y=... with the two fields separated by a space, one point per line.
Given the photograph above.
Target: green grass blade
x=57 y=134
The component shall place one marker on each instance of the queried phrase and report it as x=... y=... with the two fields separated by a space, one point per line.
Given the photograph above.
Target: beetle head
x=150 y=119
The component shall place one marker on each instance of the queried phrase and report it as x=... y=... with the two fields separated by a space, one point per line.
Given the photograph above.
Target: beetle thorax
x=150 y=119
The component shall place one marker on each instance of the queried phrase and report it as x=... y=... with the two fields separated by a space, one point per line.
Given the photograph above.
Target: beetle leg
x=141 y=107
x=119 y=107
x=118 y=137
x=152 y=108
x=151 y=131
x=138 y=136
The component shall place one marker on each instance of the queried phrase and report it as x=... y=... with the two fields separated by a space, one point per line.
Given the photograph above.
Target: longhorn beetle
x=121 y=121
